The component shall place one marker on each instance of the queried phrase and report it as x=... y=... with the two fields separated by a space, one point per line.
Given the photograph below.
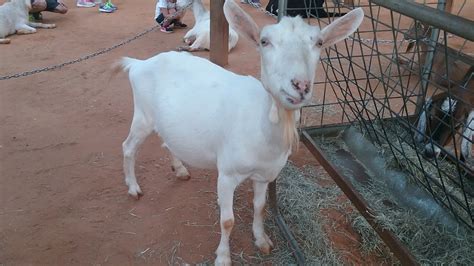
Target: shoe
x=85 y=3
x=166 y=30
x=180 y=24
x=106 y=9
x=254 y=3
x=114 y=7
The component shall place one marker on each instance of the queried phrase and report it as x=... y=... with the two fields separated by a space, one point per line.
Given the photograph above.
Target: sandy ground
x=62 y=196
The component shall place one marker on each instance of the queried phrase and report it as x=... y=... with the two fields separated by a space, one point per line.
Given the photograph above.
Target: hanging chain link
x=80 y=59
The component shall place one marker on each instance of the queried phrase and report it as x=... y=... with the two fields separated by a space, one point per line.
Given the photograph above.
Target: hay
x=300 y=201
x=429 y=234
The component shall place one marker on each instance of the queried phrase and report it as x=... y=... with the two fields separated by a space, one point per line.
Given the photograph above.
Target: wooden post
x=219 y=34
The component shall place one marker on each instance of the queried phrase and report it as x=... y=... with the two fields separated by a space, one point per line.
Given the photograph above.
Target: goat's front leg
x=189 y=40
x=262 y=241
x=225 y=192
x=24 y=29
x=4 y=41
x=189 y=49
x=41 y=25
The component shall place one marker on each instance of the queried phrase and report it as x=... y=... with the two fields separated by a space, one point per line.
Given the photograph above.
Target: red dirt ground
x=63 y=200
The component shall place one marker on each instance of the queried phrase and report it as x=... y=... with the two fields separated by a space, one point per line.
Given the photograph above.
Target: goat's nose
x=301 y=86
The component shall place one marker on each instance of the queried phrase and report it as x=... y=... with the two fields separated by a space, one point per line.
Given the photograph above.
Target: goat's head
x=290 y=50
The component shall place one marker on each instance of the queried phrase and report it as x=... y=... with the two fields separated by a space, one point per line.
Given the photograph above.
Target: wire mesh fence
x=405 y=80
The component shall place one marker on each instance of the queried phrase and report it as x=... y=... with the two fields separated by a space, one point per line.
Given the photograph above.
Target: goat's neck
x=199 y=10
x=21 y=4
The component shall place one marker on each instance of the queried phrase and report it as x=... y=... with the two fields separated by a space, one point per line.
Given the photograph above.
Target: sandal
x=180 y=24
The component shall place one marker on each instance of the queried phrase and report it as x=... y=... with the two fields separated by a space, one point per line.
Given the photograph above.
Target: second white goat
x=199 y=37
x=14 y=19
x=212 y=118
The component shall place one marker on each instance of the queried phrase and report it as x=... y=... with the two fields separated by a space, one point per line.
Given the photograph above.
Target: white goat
x=198 y=38
x=14 y=19
x=212 y=118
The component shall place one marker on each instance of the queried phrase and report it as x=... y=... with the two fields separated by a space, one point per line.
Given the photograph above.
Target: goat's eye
x=264 y=42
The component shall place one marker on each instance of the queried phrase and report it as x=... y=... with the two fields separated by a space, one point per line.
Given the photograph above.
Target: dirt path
x=62 y=196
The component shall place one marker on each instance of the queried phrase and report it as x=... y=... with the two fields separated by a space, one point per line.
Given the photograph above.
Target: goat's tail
x=124 y=64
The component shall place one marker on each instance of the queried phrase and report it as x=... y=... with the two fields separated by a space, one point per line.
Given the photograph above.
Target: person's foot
x=85 y=3
x=106 y=9
x=166 y=30
x=180 y=24
x=114 y=7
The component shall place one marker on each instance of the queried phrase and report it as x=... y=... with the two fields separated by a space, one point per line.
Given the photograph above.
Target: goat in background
x=199 y=37
x=450 y=109
x=14 y=19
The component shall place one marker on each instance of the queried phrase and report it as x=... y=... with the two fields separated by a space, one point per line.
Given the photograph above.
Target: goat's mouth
x=292 y=99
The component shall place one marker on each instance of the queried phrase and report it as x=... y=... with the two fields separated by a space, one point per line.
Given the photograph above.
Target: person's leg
x=179 y=15
x=38 y=6
x=165 y=26
x=160 y=19
x=56 y=6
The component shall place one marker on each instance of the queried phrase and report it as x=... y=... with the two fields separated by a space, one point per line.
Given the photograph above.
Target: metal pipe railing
x=457 y=25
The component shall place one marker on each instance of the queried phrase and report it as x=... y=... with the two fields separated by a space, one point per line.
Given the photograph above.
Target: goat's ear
x=342 y=27
x=241 y=22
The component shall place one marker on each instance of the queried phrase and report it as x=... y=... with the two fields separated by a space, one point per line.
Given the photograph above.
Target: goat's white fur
x=212 y=118
x=467 y=134
x=199 y=38
x=14 y=19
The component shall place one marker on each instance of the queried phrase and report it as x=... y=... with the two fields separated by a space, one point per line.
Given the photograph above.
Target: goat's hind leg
x=4 y=41
x=262 y=241
x=178 y=166
x=139 y=130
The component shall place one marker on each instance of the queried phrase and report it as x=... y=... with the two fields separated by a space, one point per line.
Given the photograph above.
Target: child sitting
x=167 y=14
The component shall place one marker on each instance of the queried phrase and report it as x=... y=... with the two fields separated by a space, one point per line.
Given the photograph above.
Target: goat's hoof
x=264 y=244
x=184 y=178
x=182 y=173
x=52 y=26
x=135 y=191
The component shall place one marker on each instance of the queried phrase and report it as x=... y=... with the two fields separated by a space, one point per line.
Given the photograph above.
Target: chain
x=80 y=59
